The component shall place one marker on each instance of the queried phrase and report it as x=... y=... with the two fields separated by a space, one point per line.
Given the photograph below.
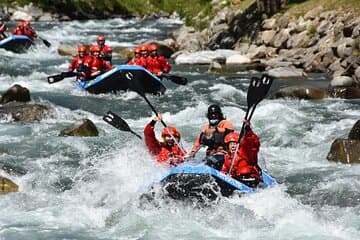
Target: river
x=89 y=188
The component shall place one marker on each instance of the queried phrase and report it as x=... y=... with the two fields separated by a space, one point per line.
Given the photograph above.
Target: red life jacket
x=98 y=66
x=165 y=154
x=246 y=162
x=75 y=63
x=106 y=52
x=30 y=32
x=85 y=67
x=18 y=31
x=157 y=64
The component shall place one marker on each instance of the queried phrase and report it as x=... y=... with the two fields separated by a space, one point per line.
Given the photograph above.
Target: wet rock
x=287 y=72
x=12 y=169
x=7 y=186
x=238 y=59
x=24 y=112
x=300 y=92
x=15 y=93
x=355 y=131
x=345 y=151
x=345 y=92
x=204 y=57
x=341 y=81
x=215 y=67
x=83 y=128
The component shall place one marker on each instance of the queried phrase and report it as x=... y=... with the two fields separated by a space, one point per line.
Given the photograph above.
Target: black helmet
x=213 y=110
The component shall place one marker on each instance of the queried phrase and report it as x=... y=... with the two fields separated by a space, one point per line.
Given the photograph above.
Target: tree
x=270 y=7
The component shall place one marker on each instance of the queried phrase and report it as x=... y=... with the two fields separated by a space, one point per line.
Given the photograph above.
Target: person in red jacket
x=144 y=55
x=157 y=64
x=136 y=60
x=29 y=31
x=168 y=150
x=78 y=59
x=93 y=65
x=3 y=28
x=105 y=50
x=19 y=30
x=244 y=167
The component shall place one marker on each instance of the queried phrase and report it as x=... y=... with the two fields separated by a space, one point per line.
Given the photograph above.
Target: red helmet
x=100 y=38
x=95 y=48
x=137 y=50
x=144 y=48
x=81 y=48
x=153 y=47
x=231 y=137
x=170 y=130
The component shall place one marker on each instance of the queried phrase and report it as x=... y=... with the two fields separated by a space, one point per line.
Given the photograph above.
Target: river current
x=89 y=188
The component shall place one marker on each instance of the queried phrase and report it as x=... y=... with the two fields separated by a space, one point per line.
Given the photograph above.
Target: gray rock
x=341 y=81
x=345 y=151
x=354 y=133
x=15 y=93
x=83 y=128
x=286 y=72
x=300 y=92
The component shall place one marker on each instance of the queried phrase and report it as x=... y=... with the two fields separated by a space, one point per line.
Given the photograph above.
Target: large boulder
x=345 y=92
x=345 y=151
x=354 y=133
x=15 y=93
x=7 y=186
x=300 y=92
x=24 y=112
x=83 y=128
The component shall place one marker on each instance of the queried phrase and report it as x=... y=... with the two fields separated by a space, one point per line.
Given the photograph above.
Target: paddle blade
x=61 y=76
x=55 y=78
x=258 y=89
x=176 y=79
x=119 y=123
x=47 y=43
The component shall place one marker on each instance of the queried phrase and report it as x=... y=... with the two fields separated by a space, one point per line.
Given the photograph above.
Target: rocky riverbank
x=287 y=47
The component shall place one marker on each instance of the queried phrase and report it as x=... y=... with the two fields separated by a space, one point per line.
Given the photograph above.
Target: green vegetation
x=196 y=13
x=300 y=7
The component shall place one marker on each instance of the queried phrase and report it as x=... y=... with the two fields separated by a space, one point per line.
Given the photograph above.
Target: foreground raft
x=191 y=180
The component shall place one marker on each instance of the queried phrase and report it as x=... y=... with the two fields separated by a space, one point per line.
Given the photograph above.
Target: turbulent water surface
x=89 y=188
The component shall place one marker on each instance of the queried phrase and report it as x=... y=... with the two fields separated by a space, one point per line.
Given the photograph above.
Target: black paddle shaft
x=163 y=123
x=257 y=91
x=175 y=79
x=152 y=108
x=58 y=77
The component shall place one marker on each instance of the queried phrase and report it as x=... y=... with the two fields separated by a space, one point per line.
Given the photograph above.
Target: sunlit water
x=89 y=188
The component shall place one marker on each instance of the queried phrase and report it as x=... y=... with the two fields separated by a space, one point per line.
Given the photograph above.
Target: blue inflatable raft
x=201 y=181
x=16 y=43
x=124 y=77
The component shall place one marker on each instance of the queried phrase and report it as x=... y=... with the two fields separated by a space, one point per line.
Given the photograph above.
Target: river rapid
x=89 y=188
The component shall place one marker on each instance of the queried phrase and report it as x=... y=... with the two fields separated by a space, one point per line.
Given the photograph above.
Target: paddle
x=175 y=79
x=257 y=91
x=4 y=35
x=163 y=123
x=61 y=76
x=118 y=122
x=46 y=42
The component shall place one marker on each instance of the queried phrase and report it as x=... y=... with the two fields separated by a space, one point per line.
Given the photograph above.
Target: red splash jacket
x=246 y=162
x=171 y=155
